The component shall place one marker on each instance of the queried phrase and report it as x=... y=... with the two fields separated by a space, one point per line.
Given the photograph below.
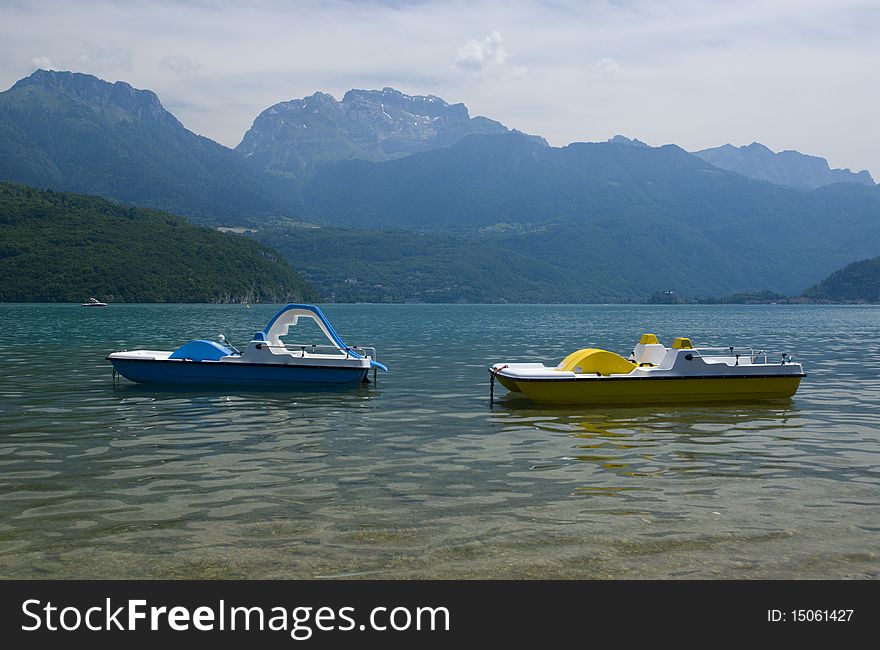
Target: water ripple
x=416 y=476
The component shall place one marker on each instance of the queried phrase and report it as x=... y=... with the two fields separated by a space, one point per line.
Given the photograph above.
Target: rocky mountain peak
x=622 y=139
x=293 y=137
x=321 y=99
x=88 y=89
x=757 y=148
x=788 y=168
x=419 y=105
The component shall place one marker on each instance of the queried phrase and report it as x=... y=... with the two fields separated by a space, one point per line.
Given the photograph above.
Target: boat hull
x=666 y=390
x=508 y=383
x=244 y=375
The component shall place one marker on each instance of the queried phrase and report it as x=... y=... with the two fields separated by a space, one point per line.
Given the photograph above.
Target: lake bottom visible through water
x=417 y=475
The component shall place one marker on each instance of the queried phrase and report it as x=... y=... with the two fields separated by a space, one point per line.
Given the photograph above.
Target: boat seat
x=648 y=350
x=682 y=343
x=201 y=351
x=593 y=361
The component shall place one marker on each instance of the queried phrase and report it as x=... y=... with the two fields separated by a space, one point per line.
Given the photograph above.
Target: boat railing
x=317 y=348
x=367 y=351
x=745 y=351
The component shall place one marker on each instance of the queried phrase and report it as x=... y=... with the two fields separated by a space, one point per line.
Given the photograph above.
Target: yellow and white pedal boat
x=655 y=374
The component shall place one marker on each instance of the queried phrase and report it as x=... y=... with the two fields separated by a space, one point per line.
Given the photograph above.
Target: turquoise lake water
x=417 y=476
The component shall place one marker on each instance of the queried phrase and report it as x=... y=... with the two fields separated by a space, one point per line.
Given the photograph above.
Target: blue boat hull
x=237 y=374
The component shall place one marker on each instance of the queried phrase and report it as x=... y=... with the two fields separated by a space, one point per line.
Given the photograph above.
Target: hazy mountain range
x=294 y=137
x=76 y=133
x=789 y=168
x=392 y=176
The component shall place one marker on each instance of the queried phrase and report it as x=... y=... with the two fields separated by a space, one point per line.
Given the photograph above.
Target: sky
x=791 y=74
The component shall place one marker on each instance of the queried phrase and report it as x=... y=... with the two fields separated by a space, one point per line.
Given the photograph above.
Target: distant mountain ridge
x=602 y=221
x=74 y=132
x=622 y=139
x=631 y=220
x=87 y=89
x=788 y=168
x=295 y=136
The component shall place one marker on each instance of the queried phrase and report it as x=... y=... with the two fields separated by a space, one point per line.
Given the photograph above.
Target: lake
x=417 y=476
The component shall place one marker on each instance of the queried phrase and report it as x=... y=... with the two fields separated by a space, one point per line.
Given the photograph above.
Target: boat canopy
x=288 y=317
x=201 y=350
x=590 y=361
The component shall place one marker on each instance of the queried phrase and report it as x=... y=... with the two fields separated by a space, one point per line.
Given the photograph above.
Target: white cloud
x=179 y=64
x=487 y=56
x=608 y=66
x=42 y=62
x=789 y=73
x=479 y=54
x=106 y=58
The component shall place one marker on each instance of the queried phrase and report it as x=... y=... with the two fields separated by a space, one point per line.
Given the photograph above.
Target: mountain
x=857 y=282
x=622 y=139
x=788 y=168
x=60 y=247
x=358 y=265
x=507 y=216
x=292 y=138
x=74 y=132
x=488 y=180
x=627 y=220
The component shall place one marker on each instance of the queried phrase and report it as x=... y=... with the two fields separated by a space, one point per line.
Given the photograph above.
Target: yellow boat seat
x=591 y=361
x=649 y=351
x=682 y=343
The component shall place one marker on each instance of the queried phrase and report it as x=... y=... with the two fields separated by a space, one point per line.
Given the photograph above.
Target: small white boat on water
x=655 y=374
x=266 y=362
x=94 y=302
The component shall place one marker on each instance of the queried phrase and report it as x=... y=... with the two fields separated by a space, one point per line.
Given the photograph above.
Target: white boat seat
x=652 y=353
x=649 y=350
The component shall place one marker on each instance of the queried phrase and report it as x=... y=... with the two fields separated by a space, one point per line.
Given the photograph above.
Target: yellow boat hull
x=656 y=391
x=508 y=383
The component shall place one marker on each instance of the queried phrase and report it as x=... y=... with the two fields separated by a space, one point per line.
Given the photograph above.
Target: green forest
x=491 y=218
x=358 y=265
x=62 y=247
x=857 y=282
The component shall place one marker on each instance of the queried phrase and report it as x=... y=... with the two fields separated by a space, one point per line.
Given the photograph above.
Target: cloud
x=480 y=54
x=179 y=64
x=788 y=73
x=487 y=56
x=608 y=66
x=106 y=58
x=42 y=62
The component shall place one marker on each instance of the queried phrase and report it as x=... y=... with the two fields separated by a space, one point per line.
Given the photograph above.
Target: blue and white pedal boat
x=266 y=362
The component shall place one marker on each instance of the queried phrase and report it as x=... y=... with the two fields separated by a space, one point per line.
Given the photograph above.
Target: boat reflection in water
x=637 y=452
